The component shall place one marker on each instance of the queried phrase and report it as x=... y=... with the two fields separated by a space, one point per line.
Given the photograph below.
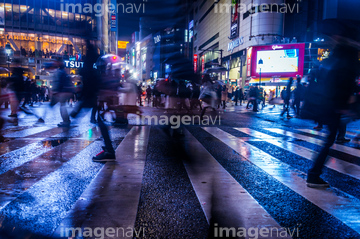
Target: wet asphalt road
x=45 y=171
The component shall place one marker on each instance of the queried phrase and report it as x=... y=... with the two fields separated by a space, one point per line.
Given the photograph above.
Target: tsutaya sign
x=74 y=64
x=39 y=39
x=237 y=42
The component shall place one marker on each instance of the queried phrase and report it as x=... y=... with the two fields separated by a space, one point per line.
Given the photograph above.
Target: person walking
x=207 y=95
x=286 y=95
x=93 y=82
x=224 y=96
x=236 y=95
x=241 y=96
x=62 y=91
x=329 y=101
x=148 y=94
x=218 y=95
x=298 y=96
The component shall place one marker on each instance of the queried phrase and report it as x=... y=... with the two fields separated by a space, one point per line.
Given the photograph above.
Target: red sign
x=195 y=62
x=202 y=63
x=248 y=62
x=113 y=17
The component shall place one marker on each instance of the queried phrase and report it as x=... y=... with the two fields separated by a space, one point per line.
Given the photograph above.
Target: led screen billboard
x=286 y=60
x=278 y=61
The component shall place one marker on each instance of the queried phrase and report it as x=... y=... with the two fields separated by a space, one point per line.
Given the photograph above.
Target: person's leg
x=14 y=104
x=203 y=113
x=255 y=105
x=63 y=111
x=105 y=133
x=248 y=103
x=288 y=110
x=342 y=130
x=316 y=169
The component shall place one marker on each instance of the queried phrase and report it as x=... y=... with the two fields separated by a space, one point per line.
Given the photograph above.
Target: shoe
x=341 y=141
x=104 y=156
x=12 y=115
x=64 y=124
x=318 y=127
x=40 y=121
x=289 y=116
x=316 y=183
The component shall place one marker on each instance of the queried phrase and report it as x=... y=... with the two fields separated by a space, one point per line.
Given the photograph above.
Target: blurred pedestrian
x=148 y=94
x=208 y=95
x=327 y=100
x=224 y=96
x=62 y=91
x=94 y=81
x=298 y=96
x=286 y=96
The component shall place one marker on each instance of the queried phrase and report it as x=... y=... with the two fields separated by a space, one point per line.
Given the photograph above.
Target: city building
x=35 y=31
x=261 y=41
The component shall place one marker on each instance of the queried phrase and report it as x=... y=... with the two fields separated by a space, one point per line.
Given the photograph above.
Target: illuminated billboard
x=278 y=61
x=234 y=25
x=285 y=60
x=122 y=44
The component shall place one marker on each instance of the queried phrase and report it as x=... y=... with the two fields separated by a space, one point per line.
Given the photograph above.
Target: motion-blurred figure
x=93 y=82
x=298 y=96
x=329 y=101
x=207 y=95
x=62 y=91
x=286 y=96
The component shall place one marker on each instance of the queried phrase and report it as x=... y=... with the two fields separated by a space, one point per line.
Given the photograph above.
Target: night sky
x=161 y=10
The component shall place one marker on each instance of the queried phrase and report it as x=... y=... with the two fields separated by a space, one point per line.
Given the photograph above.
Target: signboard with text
x=234 y=25
x=122 y=44
x=195 y=62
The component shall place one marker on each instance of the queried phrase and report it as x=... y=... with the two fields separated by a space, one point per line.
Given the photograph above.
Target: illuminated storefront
x=36 y=31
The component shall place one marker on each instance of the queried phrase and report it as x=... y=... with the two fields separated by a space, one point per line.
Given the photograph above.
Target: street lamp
x=260 y=63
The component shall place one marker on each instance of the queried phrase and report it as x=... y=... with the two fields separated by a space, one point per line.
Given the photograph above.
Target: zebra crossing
x=183 y=184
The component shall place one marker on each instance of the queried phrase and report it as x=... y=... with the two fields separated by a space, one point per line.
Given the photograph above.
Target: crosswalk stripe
x=338 y=147
x=315 y=132
x=27 y=132
x=344 y=208
x=26 y=171
x=51 y=193
x=212 y=184
x=22 y=150
x=333 y=163
x=115 y=191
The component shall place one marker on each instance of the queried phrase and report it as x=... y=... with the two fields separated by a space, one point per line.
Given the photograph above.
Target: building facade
x=35 y=31
x=250 y=36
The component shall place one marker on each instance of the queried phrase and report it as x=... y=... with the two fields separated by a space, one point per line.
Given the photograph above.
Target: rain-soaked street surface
x=240 y=177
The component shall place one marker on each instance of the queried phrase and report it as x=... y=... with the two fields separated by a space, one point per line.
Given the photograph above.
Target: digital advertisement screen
x=286 y=60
